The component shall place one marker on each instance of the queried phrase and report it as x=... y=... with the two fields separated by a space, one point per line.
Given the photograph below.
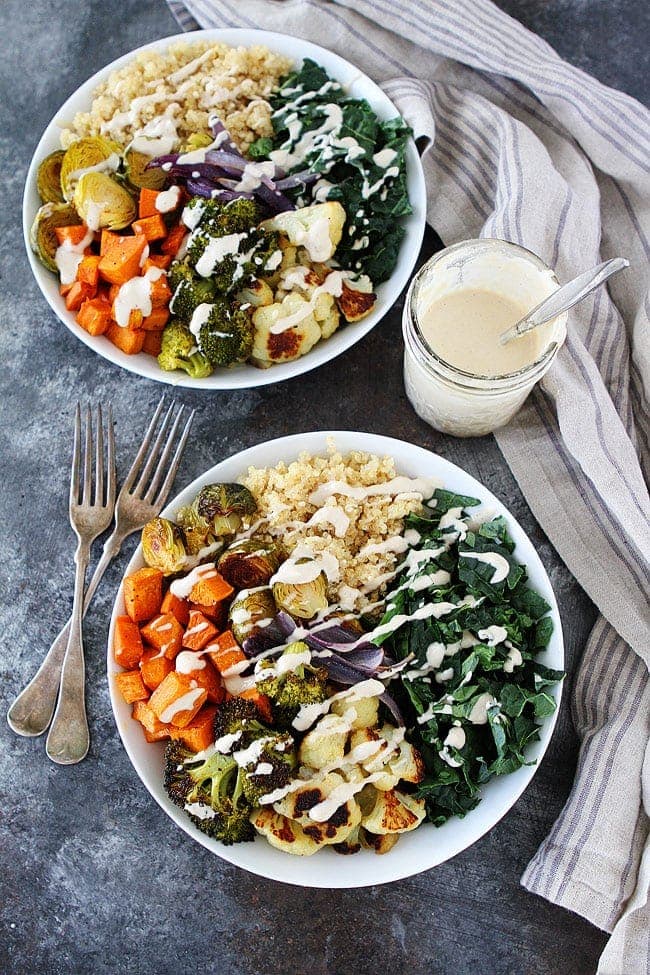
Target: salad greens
x=473 y=689
x=360 y=159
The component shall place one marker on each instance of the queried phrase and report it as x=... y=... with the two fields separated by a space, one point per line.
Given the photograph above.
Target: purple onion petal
x=391 y=704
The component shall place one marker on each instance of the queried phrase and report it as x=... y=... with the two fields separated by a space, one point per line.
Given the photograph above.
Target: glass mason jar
x=461 y=403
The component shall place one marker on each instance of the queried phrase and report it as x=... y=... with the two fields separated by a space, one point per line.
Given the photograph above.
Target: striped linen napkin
x=529 y=149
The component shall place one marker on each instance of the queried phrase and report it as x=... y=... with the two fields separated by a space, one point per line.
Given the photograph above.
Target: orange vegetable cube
x=157 y=260
x=121 y=261
x=154 y=730
x=107 y=240
x=147 y=203
x=156 y=321
x=224 y=652
x=78 y=293
x=200 y=631
x=152 y=344
x=218 y=614
x=211 y=588
x=154 y=667
x=177 y=699
x=174 y=239
x=88 y=270
x=75 y=234
x=143 y=594
x=164 y=633
x=208 y=678
x=126 y=339
x=199 y=733
x=180 y=608
x=127 y=643
x=95 y=316
x=160 y=292
x=152 y=227
x=131 y=686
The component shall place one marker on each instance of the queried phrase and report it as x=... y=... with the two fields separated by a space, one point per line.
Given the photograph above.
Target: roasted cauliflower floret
x=355 y=304
x=325 y=743
x=282 y=833
x=317 y=228
x=366 y=710
x=326 y=314
x=343 y=820
x=377 y=842
x=394 y=812
x=257 y=293
x=302 y=333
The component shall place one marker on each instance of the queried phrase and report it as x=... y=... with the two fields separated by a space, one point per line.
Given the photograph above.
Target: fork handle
x=68 y=740
x=31 y=712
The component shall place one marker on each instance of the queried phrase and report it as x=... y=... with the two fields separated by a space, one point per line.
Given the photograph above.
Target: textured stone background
x=93 y=876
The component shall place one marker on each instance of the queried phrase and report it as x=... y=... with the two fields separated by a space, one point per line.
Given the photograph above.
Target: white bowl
x=244 y=376
x=427 y=846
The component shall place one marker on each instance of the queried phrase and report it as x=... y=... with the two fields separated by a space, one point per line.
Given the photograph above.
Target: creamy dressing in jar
x=457 y=375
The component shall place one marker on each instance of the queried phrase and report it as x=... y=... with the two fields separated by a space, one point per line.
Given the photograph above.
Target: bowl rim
x=245 y=376
x=393 y=867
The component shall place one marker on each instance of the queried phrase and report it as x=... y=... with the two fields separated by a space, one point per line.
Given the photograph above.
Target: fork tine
x=164 y=458
x=143 y=480
x=99 y=458
x=88 y=458
x=110 y=457
x=76 y=456
x=171 y=474
x=144 y=447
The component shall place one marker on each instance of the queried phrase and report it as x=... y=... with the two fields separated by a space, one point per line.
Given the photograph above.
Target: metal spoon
x=565 y=297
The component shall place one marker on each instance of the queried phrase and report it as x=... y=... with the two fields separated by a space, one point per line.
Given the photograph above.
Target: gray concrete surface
x=93 y=876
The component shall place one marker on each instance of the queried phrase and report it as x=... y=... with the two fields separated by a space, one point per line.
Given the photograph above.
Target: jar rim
x=461 y=376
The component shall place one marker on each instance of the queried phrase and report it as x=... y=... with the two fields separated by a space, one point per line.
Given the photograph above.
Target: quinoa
x=189 y=82
x=282 y=495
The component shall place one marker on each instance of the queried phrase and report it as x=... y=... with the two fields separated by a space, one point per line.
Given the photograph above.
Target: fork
x=91 y=512
x=31 y=712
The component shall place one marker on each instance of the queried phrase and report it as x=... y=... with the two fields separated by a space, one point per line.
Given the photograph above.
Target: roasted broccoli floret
x=238 y=716
x=210 y=788
x=227 y=336
x=289 y=690
x=189 y=291
x=179 y=351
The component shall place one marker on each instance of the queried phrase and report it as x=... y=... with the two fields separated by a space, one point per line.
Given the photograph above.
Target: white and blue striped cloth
x=530 y=149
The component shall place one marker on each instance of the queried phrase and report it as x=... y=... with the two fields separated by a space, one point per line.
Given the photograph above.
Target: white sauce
x=190 y=660
x=513 y=659
x=478 y=714
x=216 y=250
x=199 y=317
x=68 y=257
x=398 y=485
x=493 y=635
x=168 y=200
x=184 y=703
x=181 y=588
x=331 y=515
x=498 y=562
x=135 y=295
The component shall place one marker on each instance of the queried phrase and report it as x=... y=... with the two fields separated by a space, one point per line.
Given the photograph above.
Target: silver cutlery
x=32 y=710
x=91 y=512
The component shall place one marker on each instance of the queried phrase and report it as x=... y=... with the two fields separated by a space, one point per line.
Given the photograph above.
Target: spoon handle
x=565 y=297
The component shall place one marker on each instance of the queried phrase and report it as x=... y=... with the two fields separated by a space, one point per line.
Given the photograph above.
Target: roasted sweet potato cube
x=154 y=730
x=200 y=631
x=178 y=699
x=164 y=633
x=143 y=594
x=127 y=643
x=217 y=614
x=199 y=733
x=180 y=608
x=208 y=678
x=154 y=667
x=131 y=686
x=210 y=589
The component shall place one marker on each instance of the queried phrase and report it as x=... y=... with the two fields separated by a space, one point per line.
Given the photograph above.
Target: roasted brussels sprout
x=48 y=178
x=302 y=599
x=247 y=609
x=102 y=202
x=42 y=235
x=196 y=529
x=198 y=140
x=250 y=563
x=94 y=154
x=224 y=505
x=163 y=546
x=137 y=174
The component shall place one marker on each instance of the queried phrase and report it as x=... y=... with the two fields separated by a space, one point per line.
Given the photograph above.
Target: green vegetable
x=176 y=352
x=489 y=686
x=302 y=599
x=288 y=691
x=42 y=235
x=48 y=178
x=163 y=546
x=247 y=609
x=250 y=563
x=226 y=338
x=374 y=196
x=224 y=505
